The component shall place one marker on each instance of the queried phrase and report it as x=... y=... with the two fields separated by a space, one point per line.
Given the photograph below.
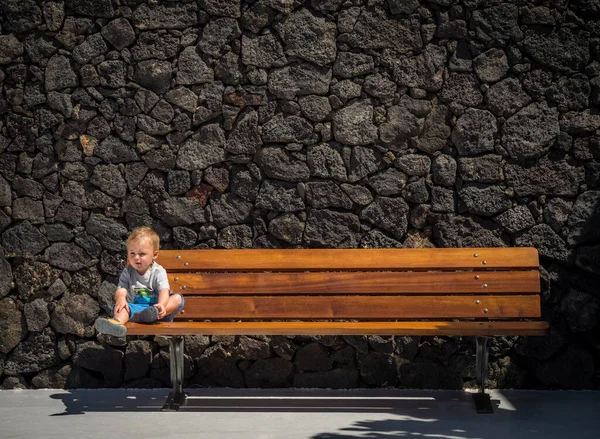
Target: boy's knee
x=177 y=299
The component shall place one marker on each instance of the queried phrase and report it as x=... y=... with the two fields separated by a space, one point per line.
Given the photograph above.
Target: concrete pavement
x=298 y=413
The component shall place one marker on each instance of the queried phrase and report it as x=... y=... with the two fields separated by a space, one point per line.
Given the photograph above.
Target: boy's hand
x=161 y=310
x=120 y=304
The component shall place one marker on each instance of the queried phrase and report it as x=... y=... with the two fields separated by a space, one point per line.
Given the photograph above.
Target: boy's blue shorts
x=137 y=307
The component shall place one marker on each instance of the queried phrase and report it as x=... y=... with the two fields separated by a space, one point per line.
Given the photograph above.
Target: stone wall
x=294 y=123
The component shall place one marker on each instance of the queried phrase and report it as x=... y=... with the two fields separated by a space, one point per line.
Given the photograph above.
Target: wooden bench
x=479 y=292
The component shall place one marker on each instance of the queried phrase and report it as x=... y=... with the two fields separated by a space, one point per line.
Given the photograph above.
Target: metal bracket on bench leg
x=483 y=403
x=176 y=397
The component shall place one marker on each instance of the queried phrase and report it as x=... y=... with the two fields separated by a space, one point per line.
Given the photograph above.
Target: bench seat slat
x=360 y=307
x=463 y=282
x=349 y=259
x=489 y=328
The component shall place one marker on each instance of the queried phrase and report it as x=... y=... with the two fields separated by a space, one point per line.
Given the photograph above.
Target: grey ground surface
x=297 y=413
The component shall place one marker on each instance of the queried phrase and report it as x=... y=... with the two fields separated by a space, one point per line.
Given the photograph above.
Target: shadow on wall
x=571 y=299
x=584 y=232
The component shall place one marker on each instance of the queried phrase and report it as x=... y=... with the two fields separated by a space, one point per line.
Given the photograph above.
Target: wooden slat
x=349 y=259
x=360 y=307
x=340 y=328
x=464 y=282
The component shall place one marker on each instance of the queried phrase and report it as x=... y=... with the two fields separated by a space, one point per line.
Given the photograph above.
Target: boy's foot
x=110 y=327
x=148 y=315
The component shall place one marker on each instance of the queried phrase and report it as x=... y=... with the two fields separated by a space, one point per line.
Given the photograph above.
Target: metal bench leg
x=176 y=396
x=482 y=399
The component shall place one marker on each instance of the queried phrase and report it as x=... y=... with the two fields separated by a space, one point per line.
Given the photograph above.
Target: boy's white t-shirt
x=144 y=288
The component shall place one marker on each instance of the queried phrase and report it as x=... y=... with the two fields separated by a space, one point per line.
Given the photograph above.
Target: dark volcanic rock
x=309 y=37
x=474 y=132
x=326 y=228
x=484 y=200
x=353 y=125
x=279 y=164
x=60 y=74
x=530 y=132
x=287 y=130
x=192 y=69
x=460 y=231
x=279 y=196
x=74 y=313
x=390 y=214
x=554 y=178
x=373 y=30
x=378 y=369
x=217 y=34
x=92 y=8
x=227 y=8
x=12 y=325
x=498 y=24
x=34 y=354
x=68 y=256
x=100 y=358
x=22 y=15
x=287 y=227
x=119 y=33
x=299 y=79
x=23 y=240
x=154 y=75
x=563 y=50
x=107 y=231
x=270 y=373
x=506 y=97
x=230 y=209
x=548 y=243
x=203 y=149
x=92 y=47
x=423 y=71
x=169 y=16
x=175 y=211
x=244 y=137
x=6 y=274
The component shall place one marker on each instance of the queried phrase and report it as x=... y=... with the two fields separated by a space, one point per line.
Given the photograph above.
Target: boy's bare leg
x=115 y=325
x=173 y=303
x=122 y=316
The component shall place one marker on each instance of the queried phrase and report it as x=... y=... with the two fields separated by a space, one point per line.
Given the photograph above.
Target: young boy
x=143 y=294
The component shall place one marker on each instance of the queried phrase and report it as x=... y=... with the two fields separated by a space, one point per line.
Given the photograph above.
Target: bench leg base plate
x=174 y=402
x=483 y=403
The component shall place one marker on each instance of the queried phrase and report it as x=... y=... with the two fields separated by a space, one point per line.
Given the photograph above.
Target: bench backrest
x=356 y=284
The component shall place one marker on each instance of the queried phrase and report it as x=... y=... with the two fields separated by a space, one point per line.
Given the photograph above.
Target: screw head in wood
x=475 y=255
x=185 y=264
x=485 y=310
x=178 y=257
x=183 y=287
x=483 y=262
x=176 y=279
x=477 y=302
x=476 y=276
x=484 y=285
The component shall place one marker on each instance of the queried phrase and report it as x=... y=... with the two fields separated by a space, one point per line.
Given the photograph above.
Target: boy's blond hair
x=145 y=232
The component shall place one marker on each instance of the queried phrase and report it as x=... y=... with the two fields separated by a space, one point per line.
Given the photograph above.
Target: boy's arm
x=163 y=298
x=120 y=299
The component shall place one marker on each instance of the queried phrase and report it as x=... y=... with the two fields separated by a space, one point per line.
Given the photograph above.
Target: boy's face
x=141 y=254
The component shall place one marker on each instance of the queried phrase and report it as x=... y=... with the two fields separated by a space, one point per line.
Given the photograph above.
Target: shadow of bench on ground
x=409 y=403
x=363 y=413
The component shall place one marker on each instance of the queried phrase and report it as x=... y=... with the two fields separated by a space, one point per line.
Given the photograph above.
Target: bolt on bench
x=479 y=292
